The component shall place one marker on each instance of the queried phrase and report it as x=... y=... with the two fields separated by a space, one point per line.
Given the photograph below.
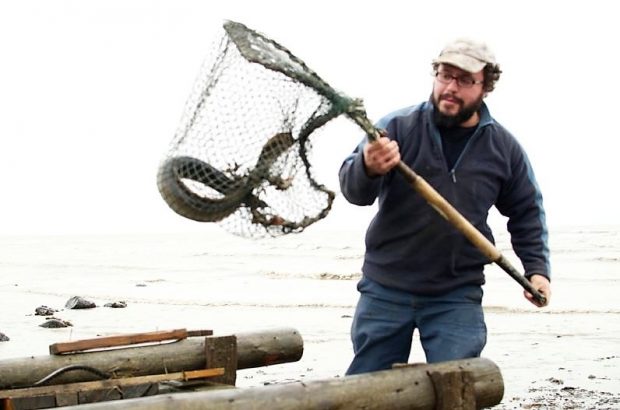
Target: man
x=419 y=272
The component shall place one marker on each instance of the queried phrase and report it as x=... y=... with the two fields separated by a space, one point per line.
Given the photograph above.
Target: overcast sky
x=91 y=93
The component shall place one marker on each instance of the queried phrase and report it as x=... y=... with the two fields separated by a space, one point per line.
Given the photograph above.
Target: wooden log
x=407 y=387
x=254 y=349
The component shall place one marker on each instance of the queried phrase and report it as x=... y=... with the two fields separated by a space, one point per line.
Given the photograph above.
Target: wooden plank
x=66 y=399
x=39 y=402
x=454 y=389
x=109 y=383
x=115 y=341
x=100 y=395
x=127 y=392
x=7 y=404
x=195 y=333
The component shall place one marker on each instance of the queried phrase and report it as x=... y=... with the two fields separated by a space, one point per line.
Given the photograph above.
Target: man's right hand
x=381 y=156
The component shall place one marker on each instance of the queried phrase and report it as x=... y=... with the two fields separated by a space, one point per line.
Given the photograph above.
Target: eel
x=235 y=191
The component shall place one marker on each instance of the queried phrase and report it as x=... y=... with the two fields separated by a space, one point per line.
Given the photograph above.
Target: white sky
x=91 y=93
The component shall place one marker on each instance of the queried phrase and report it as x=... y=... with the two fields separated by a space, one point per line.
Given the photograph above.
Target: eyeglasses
x=463 y=81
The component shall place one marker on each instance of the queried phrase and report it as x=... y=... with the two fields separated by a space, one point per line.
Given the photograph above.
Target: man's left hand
x=541 y=284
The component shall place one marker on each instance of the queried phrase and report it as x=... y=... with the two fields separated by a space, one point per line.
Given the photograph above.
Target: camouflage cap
x=466 y=54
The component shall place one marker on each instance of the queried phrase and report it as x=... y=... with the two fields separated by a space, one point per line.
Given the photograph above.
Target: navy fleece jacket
x=409 y=246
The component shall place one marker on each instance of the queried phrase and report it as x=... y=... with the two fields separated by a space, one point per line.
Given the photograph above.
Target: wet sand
x=548 y=360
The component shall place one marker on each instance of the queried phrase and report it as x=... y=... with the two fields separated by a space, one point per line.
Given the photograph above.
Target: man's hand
x=381 y=156
x=541 y=284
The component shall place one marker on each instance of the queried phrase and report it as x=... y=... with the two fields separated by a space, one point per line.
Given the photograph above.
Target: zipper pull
x=453 y=175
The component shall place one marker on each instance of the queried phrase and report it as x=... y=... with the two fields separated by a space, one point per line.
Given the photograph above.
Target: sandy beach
x=564 y=356
x=93 y=93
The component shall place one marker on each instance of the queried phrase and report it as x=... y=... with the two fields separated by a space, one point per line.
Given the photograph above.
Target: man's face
x=457 y=95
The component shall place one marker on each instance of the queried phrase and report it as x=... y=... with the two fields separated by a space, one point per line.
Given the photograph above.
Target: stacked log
x=254 y=349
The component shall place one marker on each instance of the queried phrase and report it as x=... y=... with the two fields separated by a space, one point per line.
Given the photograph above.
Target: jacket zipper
x=452 y=172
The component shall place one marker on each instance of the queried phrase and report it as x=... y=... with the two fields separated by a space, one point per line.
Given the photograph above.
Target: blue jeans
x=451 y=326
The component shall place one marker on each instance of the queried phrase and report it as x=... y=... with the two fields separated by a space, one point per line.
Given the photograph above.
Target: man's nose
x=453 y=84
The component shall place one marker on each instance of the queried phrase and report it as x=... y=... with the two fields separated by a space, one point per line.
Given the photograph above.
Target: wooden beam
x=454 y=389
x=196 y=333
x=109 y=383
x=222 y=352
x=7 y=404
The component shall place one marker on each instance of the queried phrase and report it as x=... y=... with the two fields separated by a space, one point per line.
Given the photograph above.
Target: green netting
x=240 y=156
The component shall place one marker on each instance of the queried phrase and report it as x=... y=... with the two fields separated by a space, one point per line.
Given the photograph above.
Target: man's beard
x=450 y=121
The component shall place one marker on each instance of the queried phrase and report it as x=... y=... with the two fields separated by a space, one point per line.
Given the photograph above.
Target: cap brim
x=467 y=63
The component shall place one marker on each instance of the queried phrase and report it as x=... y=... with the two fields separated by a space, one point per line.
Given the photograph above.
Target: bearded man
x=419 y=272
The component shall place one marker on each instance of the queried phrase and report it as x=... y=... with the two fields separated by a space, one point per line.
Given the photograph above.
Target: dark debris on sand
x=78 y=302
x=117 y=305
x=54 y=323
x=557 y=396
x=44 y=311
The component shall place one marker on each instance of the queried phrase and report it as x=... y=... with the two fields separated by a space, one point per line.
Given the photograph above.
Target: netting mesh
x=240 y=156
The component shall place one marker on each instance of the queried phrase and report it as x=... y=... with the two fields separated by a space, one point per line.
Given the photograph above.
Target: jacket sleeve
x=521 y=201
x=356 y=186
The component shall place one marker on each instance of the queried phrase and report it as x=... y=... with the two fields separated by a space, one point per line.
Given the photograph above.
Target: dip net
x=241 y=156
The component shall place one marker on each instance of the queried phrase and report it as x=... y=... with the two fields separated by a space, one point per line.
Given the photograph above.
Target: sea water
x=315 y=268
